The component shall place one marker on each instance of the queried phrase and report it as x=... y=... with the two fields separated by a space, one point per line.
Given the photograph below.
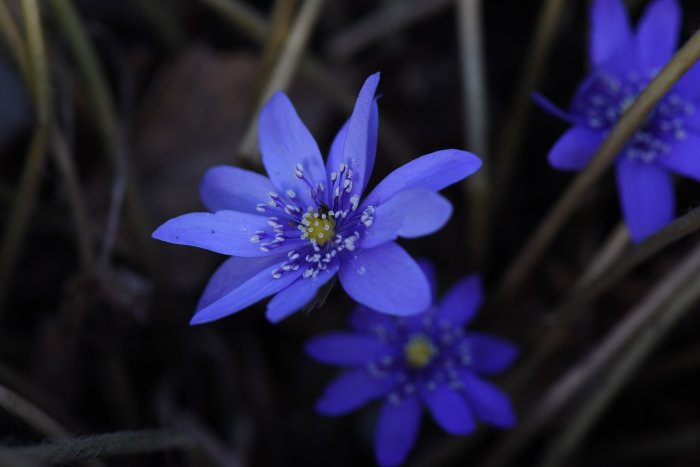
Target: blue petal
x=231 y=274
x=409 y=213
x=386 y=279
x=285 y=143
x=294 y=297
x=245 y=290
x=433 y=172
x=684 y=157
x=657 y=33
x=462 y=301
x=397 y=430
x=369 y=321
x=344 y=348
x=428 y=269
x=335 y=156
x=575 y=148
x=646 y=196
x=232 y=189
x=490 y=355
x=225 y=232
x=449 y=409
x=360 y=141
x=551 y=108
x=687 y=86
x=611 y=33
x=488 y=402
x=352 y=390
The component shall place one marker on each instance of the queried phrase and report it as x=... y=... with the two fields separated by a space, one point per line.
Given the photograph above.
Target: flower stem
x=625 y=349
x=631 y=120
x=38 y=77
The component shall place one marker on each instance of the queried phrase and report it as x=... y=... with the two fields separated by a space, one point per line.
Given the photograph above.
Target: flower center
x=419 y=351
x=608 y=98
x=318 y=227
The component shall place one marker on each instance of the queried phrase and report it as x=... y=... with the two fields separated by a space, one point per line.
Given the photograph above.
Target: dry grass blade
x=255 y=27
x=476 y=128
x=632 y=119
x=387 y=20
x=284 y=70
x=64 y=161
x=29 y=182
x=14 y=39
x=105 y=118
x=556 y=333
x=567 y=313
x=30 y=414
x=625 y=349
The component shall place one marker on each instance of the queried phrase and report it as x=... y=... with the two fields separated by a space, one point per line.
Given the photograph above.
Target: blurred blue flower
x=426 y=359
x=624 y=62
x=289 y=234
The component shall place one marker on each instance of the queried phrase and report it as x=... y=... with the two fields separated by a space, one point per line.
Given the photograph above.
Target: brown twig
x=476 y=129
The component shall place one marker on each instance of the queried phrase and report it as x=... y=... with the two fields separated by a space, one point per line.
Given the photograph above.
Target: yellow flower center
x=319 y=227
x=419 y=351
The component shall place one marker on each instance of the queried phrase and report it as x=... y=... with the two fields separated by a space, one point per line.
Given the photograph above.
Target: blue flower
x=624 y=62
x=289 y=234
x=426 y=359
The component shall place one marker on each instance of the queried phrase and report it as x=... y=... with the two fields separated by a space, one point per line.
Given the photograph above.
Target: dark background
x=109 y=348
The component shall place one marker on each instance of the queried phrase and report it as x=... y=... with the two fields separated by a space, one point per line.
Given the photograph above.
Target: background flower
x=624 y=62
x=290 y=234
x=422 y=360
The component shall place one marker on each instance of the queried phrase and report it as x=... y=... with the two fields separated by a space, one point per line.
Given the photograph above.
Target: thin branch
x=29 y=182
x=626 y=348
x=284 y=70
x=387 y=20
x=121 y=443
x=632 y=119
x=476 y=128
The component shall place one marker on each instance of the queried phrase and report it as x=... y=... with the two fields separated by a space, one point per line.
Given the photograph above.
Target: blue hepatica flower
x=624 y=62
x=426 y=359
x=289 y=234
